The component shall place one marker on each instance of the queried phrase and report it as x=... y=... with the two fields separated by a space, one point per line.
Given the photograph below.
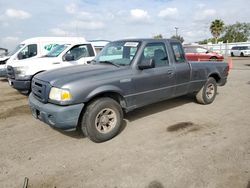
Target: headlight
x=60 y=94
x=20 y=71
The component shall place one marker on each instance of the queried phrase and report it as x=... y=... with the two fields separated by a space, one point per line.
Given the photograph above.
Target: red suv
x=199 y=53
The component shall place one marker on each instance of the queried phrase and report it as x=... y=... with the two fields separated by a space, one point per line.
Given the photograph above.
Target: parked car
x=20 y=73
x=199 y=53
x=126 y=75
x=33 y=48
x=240 y=51
x=3 y=52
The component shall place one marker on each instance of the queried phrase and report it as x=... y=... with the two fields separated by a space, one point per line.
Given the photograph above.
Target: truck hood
x=33 y=61
x=89 y=73
x=4 y=58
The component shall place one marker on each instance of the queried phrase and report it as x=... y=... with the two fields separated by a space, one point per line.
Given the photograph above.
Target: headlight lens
x=20 y=70
x=60 y=94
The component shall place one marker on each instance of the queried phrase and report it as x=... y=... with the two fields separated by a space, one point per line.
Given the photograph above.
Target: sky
x=115 y=19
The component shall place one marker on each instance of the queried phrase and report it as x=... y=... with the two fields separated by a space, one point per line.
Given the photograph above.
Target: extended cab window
x=178 y=52
x=157 y=52
x=80 y=51
x=27 y=52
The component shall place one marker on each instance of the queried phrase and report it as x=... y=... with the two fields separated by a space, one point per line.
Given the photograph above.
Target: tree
x=210 y=40
x=159 y=36
x=238 y=32
x=216 y=28
x=178 y=37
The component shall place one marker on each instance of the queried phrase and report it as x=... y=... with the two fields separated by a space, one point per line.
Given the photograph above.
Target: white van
x=36 y=47
x=20 y=73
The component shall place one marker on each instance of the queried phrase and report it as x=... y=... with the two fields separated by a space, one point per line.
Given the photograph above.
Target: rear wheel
x=242 y=54
x=232 y=54
x=102 y=119
x=208 y=92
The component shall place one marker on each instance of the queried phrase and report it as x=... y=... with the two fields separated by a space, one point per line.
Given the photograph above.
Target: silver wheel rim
x=210 y=91
x=105 y=120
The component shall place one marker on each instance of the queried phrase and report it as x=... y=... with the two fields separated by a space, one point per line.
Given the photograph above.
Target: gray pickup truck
x=126 y=75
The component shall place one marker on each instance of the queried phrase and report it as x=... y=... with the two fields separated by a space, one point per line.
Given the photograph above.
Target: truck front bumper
x=63 y=117
x=21 y=85
x=3 y=72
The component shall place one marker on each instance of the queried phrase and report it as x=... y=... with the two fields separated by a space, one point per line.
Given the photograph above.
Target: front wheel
x=102 y=119
x=208 y=92
x=213 y=58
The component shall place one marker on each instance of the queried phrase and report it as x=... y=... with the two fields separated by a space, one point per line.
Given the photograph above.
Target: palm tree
x=216 y=28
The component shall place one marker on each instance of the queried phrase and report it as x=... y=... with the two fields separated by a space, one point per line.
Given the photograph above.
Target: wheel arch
x=100 y=93
x=213 y=57
x=216 y=76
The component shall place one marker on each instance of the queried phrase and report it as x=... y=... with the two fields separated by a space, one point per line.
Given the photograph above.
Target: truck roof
x=149 y=40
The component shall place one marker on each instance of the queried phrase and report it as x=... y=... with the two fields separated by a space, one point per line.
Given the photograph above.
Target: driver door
x=154 y=84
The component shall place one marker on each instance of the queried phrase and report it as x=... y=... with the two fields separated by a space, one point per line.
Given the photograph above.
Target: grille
x=3 y=62
x=40 y=90
x=10 y=72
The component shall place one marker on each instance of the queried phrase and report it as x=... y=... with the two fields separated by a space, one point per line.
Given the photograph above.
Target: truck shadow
x=3 y=80
x=78 y=134
x=158 y=107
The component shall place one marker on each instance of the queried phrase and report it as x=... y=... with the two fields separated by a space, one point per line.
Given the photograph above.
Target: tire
x=208 y=92
x=102 y=120
x=242 y=54
x=26 y=92
x=213 y=58
x=232 y=54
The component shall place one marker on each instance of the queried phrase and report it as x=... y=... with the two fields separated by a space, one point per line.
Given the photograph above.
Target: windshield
x=16 y=49
x=57 y=50
x=118 y=53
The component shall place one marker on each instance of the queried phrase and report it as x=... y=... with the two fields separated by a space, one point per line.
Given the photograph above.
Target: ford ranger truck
x=125 y=75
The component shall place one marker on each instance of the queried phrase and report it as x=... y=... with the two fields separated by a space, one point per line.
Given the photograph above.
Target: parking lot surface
x=175 y=143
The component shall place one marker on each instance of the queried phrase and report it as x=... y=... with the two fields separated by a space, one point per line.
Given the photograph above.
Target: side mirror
x=207 y=52
x=69 y=57
x=147 y=64
x=19 y=56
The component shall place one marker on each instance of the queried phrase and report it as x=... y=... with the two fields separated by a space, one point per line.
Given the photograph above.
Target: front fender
x=104 y=89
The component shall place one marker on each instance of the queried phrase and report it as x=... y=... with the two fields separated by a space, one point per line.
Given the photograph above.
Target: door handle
x=170 y=73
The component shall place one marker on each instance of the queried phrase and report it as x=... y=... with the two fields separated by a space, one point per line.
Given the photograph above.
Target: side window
x=178 y=53
x=27 y=52
x=79 y=51
x=157 y=52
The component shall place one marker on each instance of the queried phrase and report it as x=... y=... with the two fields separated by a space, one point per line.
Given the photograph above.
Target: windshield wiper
x=109 y=62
